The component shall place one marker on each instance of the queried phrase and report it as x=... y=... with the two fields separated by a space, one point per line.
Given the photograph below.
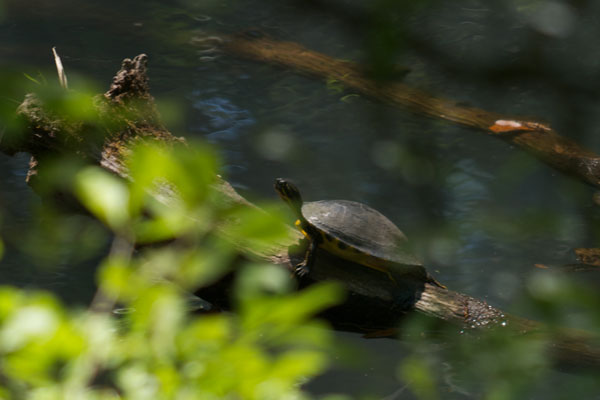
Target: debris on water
x=202 y=18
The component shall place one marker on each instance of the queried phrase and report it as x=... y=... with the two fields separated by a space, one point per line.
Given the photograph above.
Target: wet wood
x=588 y=259
x=536 y=137
x=570 y=267
x=127 y=114
x=589 y=256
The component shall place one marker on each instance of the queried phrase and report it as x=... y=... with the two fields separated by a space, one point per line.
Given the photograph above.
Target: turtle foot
x=302 y=270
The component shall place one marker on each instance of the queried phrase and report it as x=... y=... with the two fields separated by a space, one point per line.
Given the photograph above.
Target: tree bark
x=127 y=114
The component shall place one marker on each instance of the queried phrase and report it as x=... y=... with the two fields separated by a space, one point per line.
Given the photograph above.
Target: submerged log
x=535 y=137
x=588 y=256
x=127 y=114
x=588 y=260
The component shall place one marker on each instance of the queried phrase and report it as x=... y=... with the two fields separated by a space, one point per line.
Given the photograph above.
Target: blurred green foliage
x=14 y=87
x=156 y=348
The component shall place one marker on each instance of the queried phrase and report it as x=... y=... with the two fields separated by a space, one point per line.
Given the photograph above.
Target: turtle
x=352 y=231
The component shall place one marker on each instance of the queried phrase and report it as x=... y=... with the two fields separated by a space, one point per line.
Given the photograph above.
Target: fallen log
x=535 y=137
x=127 y=114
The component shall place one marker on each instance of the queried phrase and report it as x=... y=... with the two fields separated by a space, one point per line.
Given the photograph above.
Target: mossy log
x=536 y=137
x=127 y=114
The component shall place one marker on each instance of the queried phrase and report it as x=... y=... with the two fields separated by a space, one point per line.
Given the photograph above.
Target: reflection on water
x=468 y=192
x=222 y=121
x=479 y=212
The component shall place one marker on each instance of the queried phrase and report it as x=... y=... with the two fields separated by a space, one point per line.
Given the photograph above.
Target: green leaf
x=188 y=171
x=158 y=315
x=10 y=298
x=419 y=377
x=118 y=279
x=210 y=331
x=105 y=195
x=138 y=383
x=316 y=298
x=203 y=266
x=256 y=228
x=164 y=223
x=273 y=317
x=258 y=279
x=295 y=364
x=31 y=78
x=29 y=323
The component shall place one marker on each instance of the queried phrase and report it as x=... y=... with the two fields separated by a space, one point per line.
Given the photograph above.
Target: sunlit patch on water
x=276 y=143
x=208 y=47
x=223 y=120
x=553 y=18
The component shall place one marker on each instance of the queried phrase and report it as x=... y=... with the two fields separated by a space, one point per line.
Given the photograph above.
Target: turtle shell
x=362 y=229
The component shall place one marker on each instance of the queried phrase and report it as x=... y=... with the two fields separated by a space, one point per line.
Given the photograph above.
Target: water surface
x=479 y=212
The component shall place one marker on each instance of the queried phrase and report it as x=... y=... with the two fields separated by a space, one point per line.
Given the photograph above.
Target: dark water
x=479 y=212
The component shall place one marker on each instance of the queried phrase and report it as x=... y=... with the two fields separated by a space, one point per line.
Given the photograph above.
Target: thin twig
x=62 y=76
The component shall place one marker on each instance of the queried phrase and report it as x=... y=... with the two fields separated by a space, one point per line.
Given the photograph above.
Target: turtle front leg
x=304 y=267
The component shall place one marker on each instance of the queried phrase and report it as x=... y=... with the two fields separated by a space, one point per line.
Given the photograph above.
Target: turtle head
x=290 y=194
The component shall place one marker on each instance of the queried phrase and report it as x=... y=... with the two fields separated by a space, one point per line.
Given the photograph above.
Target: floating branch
x=535 y=137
